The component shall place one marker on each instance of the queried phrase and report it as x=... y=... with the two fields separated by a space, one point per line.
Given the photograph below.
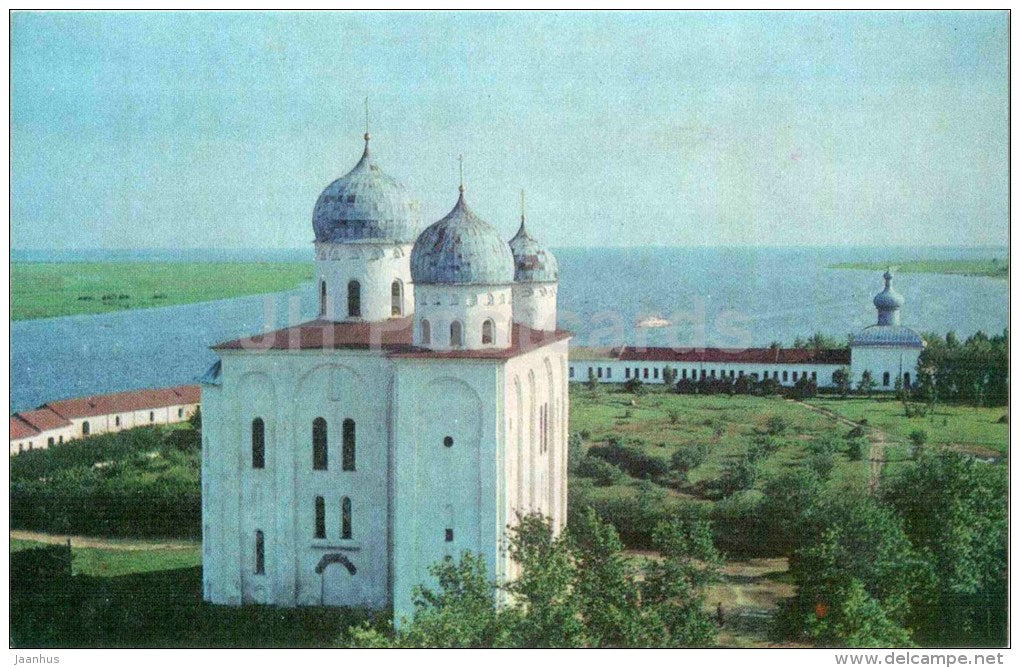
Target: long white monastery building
x=887 y=350
x=422 y=410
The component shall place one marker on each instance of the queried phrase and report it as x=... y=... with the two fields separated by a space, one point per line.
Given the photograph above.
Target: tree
x=866 y=385
x=460 y=612
x=848 y=537
x=788 y=500
x=593 y=382
x=955 y=510
x=918 y=438
x=672 y=591
x=842 y=378
x=195 y=419
x=606 y=585
x=547 y=609
x=738 y=473
x=669 y=375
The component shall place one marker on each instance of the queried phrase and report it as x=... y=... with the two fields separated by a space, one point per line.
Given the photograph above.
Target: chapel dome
x=533 y=263
x=366 y=205
x=888 y=298
x=461 y=249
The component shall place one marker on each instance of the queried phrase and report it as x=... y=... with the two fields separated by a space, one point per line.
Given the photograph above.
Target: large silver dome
x=366 y=205
x=461 y=249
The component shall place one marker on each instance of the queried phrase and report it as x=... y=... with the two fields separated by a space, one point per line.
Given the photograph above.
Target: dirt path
x=877 y=438
x=104 y=543
x=750 y=592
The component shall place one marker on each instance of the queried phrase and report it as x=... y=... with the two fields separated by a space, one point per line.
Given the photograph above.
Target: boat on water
x=652 y=322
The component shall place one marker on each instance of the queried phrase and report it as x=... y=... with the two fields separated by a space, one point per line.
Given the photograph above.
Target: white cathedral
x=413 y=419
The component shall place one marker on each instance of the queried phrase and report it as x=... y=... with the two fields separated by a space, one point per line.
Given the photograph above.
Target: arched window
x=322 y=297
x=426 y=332
x=885 y=379
x=258 y=444
x=345 y=518
x=348 y=451
x=397 y=298
x=906 y=379
x=320 y=447
x=456 y=334
x=260 y=553
x=85 y=428
x=320 y=517
x=354 y=299
x=487 y=335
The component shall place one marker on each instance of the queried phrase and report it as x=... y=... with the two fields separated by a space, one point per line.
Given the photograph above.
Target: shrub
x=738 y=474
x=856 y=449
x=600 y=471
x=822 y=463
x=775 y=425
x=673 y=415
x=686 y=386
x=688 y=458
x=856 y=432
x=631 y=459
x=634 y=386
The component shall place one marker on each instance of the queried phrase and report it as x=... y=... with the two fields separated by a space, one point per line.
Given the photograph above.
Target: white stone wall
x=471 y=306
x=882 y=360
x=535 y=305
x=614 y=371
x=409 y=487
x=375 y=266
x=440 y=487
x=288 y=391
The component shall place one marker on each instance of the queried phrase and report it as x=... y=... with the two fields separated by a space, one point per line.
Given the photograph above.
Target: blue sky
x=162 y=130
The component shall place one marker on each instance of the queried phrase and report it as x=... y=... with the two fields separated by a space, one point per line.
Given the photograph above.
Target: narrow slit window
x=397 y=298
x=345 y=518
x=260 y=553
x=349 y=445
x=258 y=444
x=320 y=451
x=456 y=334
x=426 y=332
x=320 y=517
x=354 y=299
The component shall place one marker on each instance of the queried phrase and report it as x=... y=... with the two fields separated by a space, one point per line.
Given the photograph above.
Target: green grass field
x=965 y=428
x=153 y=598
x=49 y=289
x=993 y=267
x=664 y=421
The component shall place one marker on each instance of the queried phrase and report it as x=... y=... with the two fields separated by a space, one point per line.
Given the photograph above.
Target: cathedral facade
x=422 y=410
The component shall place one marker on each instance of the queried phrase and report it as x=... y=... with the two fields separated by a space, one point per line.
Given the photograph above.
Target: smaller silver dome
x=532 y=262
x=461 y=249
x=888 y=335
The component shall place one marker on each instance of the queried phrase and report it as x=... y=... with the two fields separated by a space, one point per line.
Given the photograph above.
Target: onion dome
x=532 y=262
x=366 y=205
x=888 y=299
x=461 y=249
x=889 y=336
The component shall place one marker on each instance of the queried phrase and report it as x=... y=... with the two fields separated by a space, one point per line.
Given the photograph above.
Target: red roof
x=43 y=419
x=21 y=429
x=123 y=402
x=392 y=336
x=735 y=355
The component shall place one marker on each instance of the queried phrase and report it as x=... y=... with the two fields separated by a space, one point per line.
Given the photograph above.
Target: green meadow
x=50 y=289
x=992 y=267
